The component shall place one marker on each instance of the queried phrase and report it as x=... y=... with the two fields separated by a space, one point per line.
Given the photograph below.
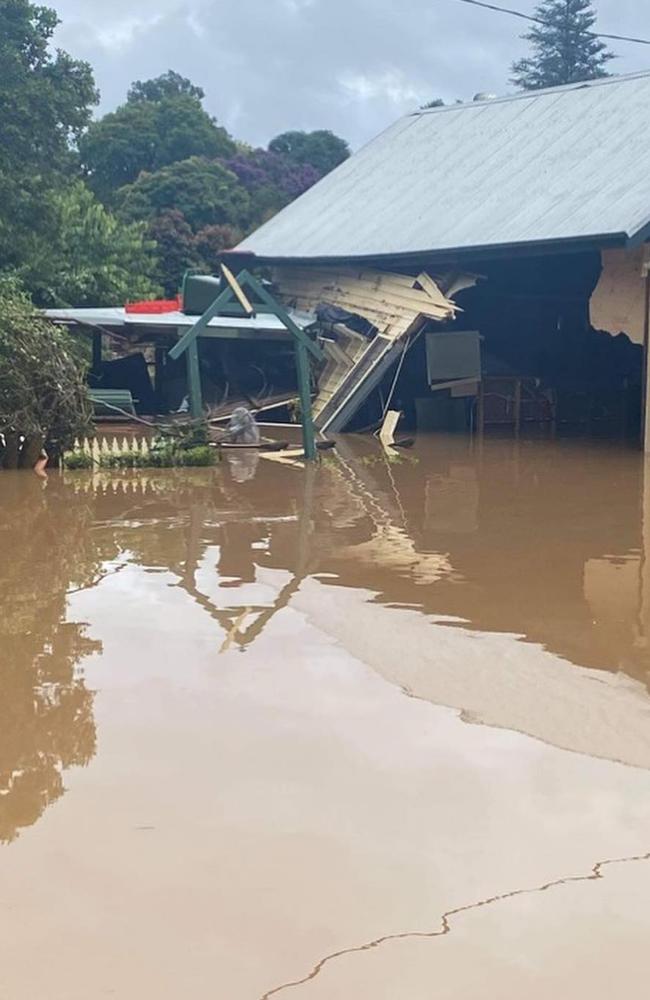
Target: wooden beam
x=201 y=324
x=268 y=306
x=277 y=310
x=430 y=287
x=238 y=333
x=303 y=346
x=238 y=290
x=304 y=389
x=194 y=381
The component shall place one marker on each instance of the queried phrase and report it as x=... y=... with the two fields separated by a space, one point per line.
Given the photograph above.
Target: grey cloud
x=349 y=65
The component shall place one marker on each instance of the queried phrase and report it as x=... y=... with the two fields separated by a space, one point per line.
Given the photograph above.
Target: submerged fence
x=98 y=451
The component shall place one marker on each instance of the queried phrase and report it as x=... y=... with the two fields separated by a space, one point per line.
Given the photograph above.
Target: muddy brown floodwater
x=375 y=730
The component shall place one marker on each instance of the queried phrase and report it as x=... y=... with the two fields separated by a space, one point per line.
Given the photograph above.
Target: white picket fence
x=106 y=445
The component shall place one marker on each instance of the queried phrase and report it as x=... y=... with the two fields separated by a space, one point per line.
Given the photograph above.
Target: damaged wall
x=395 y=305
x=618 y=304
x=534 y=315
x=390 y=301
x=573 y=321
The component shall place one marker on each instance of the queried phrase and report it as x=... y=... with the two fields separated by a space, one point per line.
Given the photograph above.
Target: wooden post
x=303 y=345
x=194 y=380
x=304 y=389
x=97 y=352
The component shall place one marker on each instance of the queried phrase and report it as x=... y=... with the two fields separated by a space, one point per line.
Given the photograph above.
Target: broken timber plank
x=294 y=458
x=389 y=426
x=238 y=290
x=396 y=305
x=368 y=302
x=429 y=285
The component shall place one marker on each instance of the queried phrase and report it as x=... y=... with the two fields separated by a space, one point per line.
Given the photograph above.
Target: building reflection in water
x=544 y=542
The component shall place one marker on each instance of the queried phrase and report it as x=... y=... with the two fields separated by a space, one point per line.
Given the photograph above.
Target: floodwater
x=379 y=729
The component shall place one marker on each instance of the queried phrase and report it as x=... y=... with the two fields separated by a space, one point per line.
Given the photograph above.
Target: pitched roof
x=570 y=164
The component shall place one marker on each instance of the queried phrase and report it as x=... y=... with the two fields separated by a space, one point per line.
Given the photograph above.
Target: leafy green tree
x=211 y=241
x=45 y=104
x=271 y=179
x=322 y=149
x=45 y=95
x=202 y=190
x=90 y=256
x=565 y=48
x=169 y=84
x=178 y=248
x=43 y=394
x=175 y=249
x=161 y=123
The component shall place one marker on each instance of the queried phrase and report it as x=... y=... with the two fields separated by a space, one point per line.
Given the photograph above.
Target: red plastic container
x=154 y=306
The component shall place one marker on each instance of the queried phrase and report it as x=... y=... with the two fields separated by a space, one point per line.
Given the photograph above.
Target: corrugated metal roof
x=571 y=163
x=119 y=317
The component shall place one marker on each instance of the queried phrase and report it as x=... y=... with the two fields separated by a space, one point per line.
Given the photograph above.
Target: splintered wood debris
x=397 y=306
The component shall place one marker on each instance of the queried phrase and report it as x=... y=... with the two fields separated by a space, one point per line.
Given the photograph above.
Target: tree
x=45 y=104
x=45 y=96
x=565 y=48
x=89 y=256
x=43 y=394
x=178 y=248
x=169 y=84
x=322 y=149
x=202 y=190
x=175 y=249
x=211 y=241
x=271 y=179
x=161 y=123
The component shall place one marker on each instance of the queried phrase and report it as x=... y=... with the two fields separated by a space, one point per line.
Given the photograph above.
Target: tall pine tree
x=565 y=48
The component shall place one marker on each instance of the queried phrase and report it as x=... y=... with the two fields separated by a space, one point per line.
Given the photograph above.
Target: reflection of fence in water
x=136 y=482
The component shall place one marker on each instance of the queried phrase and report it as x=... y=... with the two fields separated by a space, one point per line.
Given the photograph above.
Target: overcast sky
x=352 y=66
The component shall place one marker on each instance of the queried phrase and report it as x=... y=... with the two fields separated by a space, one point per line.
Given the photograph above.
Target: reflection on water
x=46 y=711
x=544 y=542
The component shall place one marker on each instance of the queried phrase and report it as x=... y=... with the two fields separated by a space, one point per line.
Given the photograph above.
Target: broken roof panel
x=547 y=167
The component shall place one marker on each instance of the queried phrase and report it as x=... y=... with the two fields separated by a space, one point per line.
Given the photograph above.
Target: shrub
x=200 y=455
x=77 y=460
x=43 y=394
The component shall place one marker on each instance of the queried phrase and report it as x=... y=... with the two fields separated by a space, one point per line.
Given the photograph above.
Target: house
x=527 y=219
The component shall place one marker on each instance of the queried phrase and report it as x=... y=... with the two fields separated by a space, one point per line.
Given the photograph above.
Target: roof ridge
x=545 y=170
x=603 y=81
